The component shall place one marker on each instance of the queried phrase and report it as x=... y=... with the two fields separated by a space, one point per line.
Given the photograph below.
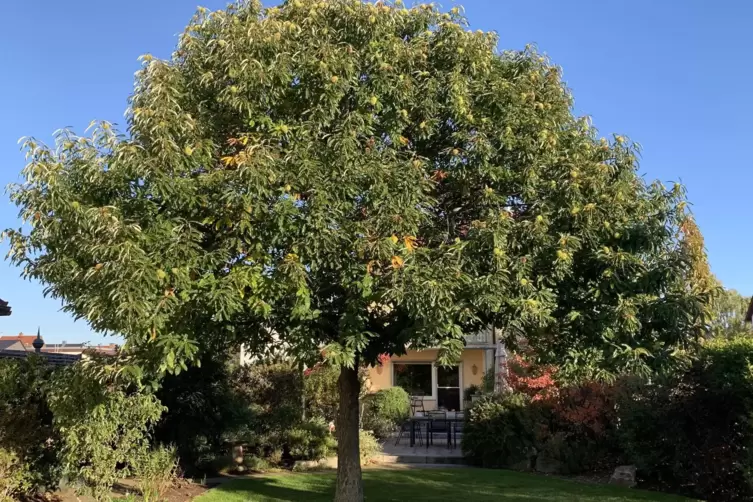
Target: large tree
x=729 y=310
x=358 y=178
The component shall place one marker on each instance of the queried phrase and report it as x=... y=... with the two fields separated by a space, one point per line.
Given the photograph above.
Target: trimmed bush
x=311 y=440
x=500 y=431
x=385 y=410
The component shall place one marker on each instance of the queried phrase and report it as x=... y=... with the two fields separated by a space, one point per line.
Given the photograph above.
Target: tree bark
x=349 y=481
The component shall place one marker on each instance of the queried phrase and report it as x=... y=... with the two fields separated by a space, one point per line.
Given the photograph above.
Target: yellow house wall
x=381 y=378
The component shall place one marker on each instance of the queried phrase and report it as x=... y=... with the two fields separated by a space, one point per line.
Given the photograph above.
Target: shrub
x=321 y=393
x=693 y=433
x=204 y=411
x=572 y=426
x=385 y=410
x=311 y=440
x=580 y=428
x=103 y=427
x=381 y=427
x=26 y=428
x=274 y=395
x=370 y=447
x=255 y=464
x=14 y=477
x=156 y=471
x=500 y=430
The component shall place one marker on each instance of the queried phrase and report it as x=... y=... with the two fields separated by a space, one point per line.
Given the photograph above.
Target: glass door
x=448 y=388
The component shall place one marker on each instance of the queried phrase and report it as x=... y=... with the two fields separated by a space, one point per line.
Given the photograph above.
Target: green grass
x=466 y=485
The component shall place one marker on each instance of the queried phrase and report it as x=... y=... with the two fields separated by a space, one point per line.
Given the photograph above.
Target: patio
x=403 y=453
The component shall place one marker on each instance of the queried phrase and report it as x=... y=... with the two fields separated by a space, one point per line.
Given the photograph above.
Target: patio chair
x=437 y=424
x=405 y=428
x=457 y=427
x=416 y=404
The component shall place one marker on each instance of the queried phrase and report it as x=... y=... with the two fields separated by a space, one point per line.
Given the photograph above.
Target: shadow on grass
x=469 y=485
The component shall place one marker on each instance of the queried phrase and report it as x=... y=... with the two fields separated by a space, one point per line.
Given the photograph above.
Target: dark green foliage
x=500 y=431
x=384 y=410
x=392 y=403
x=361 y=177
x=321 y=393
x=26 y=428
x=694 y=433
x=689 y=433
x=204 y=411
x=104 y=426
x=310 y=440
x=274 y=394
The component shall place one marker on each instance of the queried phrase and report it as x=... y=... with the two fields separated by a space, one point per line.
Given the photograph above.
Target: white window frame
x=435 y=382
x=433 y=377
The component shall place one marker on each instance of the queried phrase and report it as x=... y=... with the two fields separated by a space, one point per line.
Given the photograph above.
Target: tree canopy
x=359 y=177
x=728 y=317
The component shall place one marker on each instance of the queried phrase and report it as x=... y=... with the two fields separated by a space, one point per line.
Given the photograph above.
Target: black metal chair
x=437 y=424
x=405 y=427
x=416 y=404
x=457 y=426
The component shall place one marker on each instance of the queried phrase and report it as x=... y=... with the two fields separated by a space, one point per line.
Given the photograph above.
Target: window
x=416 y=379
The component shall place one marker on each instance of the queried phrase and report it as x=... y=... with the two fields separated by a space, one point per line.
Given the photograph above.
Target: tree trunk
x=349 y=481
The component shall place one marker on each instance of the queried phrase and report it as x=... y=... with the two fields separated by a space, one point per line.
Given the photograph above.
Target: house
x=25 y=342
x=11 y=345
x=15 y=349
x=439 y=387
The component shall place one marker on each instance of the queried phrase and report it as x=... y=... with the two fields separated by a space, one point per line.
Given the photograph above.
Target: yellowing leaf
x=397 y=262
x=394 y=239
x=228 y=161
x=410 y=242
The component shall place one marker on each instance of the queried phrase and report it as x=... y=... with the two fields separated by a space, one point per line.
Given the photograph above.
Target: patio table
x=451 y=421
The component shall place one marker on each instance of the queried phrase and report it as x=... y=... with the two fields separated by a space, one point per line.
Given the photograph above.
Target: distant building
x=15 y=348
x=25 y=342
x=11 y=345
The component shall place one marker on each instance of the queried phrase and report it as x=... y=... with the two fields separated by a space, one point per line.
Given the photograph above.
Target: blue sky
x=671 y=75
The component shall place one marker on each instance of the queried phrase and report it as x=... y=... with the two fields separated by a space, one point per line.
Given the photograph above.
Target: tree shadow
x=473 y=485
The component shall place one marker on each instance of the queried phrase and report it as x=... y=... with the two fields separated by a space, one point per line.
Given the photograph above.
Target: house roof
x=749 y=314
x=27 y=342
x=10 y=345
x=25 y=339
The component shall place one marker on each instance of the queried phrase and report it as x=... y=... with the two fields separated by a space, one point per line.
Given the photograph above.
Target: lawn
x=467 y=485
